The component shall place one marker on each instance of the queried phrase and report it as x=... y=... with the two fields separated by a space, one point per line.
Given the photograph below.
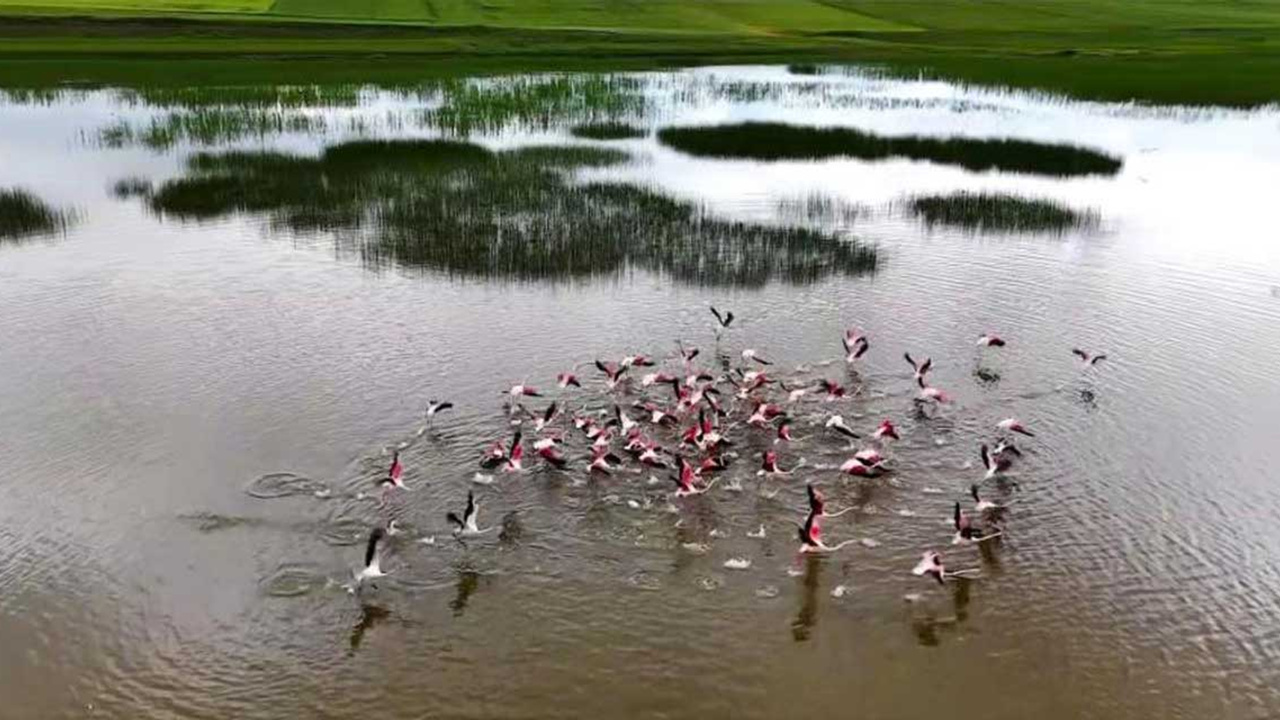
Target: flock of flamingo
x=670 y=416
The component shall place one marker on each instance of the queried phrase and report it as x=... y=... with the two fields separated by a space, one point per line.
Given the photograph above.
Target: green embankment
x=1196 y=51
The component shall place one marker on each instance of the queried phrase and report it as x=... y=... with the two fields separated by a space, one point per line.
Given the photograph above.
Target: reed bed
x=780 y=141
x=462 y=209
x=995 y=212
x=24 y=216
x=608 y=131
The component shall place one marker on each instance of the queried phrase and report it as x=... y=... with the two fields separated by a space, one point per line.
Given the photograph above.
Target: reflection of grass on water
x=778 y=141
x=608 y=131
x=23 y=215
x=1000 y=213
x=463 y=209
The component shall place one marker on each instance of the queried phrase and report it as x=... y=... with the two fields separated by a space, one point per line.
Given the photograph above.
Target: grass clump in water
x=533 y=102
x=462 y=209
x=779 y=141
x=991 y=212
x=608 y=131
x=208 y=126
x=23 y=215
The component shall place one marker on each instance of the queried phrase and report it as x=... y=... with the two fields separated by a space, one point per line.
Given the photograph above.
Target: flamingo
x=722 y=321
x=836 y=422
x=965 y=530
x=468 y=525
x=834 y=390
x=854 y=466
x=763 y=414
x=567 y=379
x=540 y=422
x=870 y=457
x=994 y=464
x=372 y=569
x=990 y=340
x=434 y=407
x=510 y=458
x=603 y=461
x=931 y=564
x=395 y=475
x=784 y=432
x=523 y=390
x=811 y=536
x=920 y=369
x=1087 y=358
x=818 y=503
x=636 y=361
x=886 y=431
x=613 y=374
x=1014 y=425
x=547 y=449
x=930 y=393
x=769 y=464
x=686 y=481
x=855 y=345
x=980 y=505
x=651 y=379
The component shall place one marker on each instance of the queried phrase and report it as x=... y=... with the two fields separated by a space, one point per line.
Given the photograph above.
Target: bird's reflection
x=928 y=629
x=986 y=377
x=370 y=615
x=807 y=616
x=468 y=583
x=512 y=530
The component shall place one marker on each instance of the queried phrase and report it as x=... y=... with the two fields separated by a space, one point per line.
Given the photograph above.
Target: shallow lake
x=222 y=309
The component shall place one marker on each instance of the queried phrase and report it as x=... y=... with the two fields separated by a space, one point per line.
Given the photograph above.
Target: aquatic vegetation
x=779 y=141
x=125 y=188
x=23 y=215
x=533 y=102
x=820 y=210
x=987 y=212
x=608 y=131
x=462 y=209
x=208 y=126
x=243 y=96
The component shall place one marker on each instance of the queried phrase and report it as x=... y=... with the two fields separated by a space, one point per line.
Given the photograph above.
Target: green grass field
x=1196 y=51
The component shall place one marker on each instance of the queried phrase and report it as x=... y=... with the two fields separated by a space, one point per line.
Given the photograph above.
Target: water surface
x=257 y=289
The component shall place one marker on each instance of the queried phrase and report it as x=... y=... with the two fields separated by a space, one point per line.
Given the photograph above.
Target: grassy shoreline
x=1235 y=67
